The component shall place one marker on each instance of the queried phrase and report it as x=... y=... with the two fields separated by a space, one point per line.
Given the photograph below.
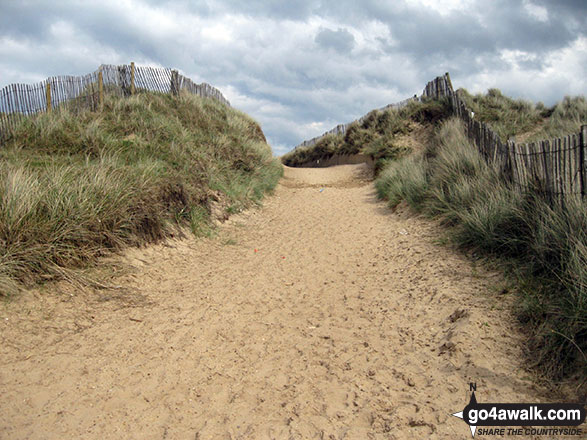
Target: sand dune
x=322 y=315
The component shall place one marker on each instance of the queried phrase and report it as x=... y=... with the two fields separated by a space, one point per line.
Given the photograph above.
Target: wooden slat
x=132 y=78
x=25 y=98
x=565 y=158
x=551 y=167
x=146 y=75
x=39 y=96
x=559 y=174
x=583 y=159
x=570 y=164
x=100 y=90
x=530 y=170
x=577 y=154
x=17 y=105
x=554 y=169
x=527 y=166
x=48 y=97
x=540 y=164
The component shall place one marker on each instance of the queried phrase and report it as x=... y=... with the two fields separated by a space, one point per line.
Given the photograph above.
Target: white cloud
x=549 y=84
x=516 y=57
x=10 y=46
x=538 y=12
x=442 y=7
x=217 y=32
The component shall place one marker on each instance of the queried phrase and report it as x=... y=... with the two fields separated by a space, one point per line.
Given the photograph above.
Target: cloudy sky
x=301 y=67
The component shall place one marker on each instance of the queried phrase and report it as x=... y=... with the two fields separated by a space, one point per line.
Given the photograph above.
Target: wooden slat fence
x=80 y=93
x=555 y=167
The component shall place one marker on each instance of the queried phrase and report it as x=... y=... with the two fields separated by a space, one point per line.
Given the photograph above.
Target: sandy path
x=345 y=323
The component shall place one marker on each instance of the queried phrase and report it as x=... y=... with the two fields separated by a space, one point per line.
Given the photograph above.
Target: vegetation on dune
x=517 y=118
x=377 y=135
x=76 y=187
x=508 y=117
x=544 y=247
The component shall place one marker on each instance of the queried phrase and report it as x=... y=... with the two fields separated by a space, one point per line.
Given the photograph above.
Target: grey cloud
x=277 y=9
x=340 y=40
x=19 y=23
x=501 y=26
x=573 y=12
x=290 y=74
x=273 y=8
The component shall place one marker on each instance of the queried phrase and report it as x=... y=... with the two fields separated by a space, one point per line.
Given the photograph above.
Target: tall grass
x=403 y=180
x=544 y=246
x=76 y=187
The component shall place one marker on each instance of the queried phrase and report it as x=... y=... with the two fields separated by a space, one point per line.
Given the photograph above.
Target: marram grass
x=74 y=188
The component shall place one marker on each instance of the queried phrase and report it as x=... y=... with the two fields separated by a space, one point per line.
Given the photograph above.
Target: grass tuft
x=403 y=180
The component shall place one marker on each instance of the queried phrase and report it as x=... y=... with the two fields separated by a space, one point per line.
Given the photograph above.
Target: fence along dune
x=77 y=93
x=555 y=167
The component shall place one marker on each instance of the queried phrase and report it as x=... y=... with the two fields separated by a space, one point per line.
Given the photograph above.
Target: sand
x=322 y=315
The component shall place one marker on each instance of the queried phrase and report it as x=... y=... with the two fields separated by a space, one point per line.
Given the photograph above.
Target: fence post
x=48 y=95
x=175 y=82
x=582 y=167
x=132 y=78
x=100 y=90
x=449 y=82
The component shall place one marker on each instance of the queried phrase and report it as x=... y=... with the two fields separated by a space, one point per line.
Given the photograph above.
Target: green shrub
x=428 y=111
x=355 y=138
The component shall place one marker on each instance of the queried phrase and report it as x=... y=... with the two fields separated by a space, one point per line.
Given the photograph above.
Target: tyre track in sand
x=321 y=315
